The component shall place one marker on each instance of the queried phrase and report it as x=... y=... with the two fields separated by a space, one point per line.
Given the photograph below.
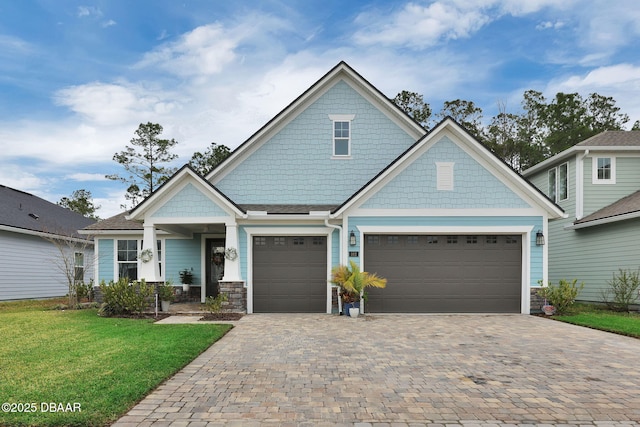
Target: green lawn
x=78 y=359
x=606 y=320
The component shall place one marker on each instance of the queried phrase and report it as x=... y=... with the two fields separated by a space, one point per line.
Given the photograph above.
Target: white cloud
x=620 y=81
x=88 y=11
x=16 y=177
x=109 y=23
x=421 y=26
x=203 y=51
x=116 y=103
x=86 y=177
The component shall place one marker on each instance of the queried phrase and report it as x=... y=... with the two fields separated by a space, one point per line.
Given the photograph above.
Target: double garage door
x=426 y=274
x=445 y=274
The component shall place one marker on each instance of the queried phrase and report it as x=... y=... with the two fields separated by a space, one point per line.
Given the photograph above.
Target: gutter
x=601 y=221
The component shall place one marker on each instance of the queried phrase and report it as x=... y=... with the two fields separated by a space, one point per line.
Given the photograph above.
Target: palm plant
x=353 y=282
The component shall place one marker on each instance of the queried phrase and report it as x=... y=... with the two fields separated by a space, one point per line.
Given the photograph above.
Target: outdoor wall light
x=539 y=238
x=352 y=238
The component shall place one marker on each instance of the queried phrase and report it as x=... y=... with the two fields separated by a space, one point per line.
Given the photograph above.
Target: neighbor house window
x=563 y=181
x=552 y=184
x=604 y=170
x=159 y=246
x=342 y=134
x=78 y=266
x=128 y=259
x=559 y=183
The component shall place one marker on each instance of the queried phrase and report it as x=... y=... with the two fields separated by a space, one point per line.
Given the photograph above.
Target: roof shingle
x=22 y=210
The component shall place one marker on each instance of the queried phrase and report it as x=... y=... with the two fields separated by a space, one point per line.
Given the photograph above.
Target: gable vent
x=445 y=176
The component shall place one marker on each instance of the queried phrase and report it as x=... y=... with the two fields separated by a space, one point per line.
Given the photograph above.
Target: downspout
x=339 y=228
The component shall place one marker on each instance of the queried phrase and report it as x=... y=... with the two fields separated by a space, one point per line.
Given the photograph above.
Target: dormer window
x=341 y=134
x=604 y=170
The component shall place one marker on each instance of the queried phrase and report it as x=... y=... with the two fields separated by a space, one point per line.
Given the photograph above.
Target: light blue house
x=343 y=174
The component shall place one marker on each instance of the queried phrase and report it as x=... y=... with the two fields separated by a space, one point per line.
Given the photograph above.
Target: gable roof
x=626 y=208
x=342 y=71
x=449 y=124
x=185 y=172
x=609 y=140
x=25 y=213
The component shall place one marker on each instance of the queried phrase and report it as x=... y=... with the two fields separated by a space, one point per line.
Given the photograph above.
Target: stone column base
x=237 y=296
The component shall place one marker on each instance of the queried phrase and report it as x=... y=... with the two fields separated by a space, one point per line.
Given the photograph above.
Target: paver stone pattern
x=472 y=370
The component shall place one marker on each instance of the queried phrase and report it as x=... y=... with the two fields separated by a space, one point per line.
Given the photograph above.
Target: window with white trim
x=558 y=179
x=342 y=131
x=552 y=184
x=78 y=267
x=604 y=170
x=563 y=181
x=127 y=258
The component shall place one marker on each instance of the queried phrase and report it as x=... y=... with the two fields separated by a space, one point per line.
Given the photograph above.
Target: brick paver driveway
x=448 y=369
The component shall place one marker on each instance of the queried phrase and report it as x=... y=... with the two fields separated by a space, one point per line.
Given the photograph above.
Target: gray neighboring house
x=597 y=183
x=29 y=261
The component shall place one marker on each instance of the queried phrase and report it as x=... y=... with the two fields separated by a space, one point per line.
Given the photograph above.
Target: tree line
x=543 y=128
x=144 y=162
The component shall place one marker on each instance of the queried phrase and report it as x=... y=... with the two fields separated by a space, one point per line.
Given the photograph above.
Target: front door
x=214 y=265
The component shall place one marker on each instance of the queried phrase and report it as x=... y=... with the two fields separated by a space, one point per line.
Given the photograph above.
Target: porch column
x=232 y=266
x=150 y=271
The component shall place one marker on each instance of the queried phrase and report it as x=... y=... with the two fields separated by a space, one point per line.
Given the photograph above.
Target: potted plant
x=352 y=283
x=186 y=277
x=165 y=295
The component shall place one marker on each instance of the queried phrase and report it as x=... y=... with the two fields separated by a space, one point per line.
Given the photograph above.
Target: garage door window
x=412 y=240
x=512 y=239
x=452 y=240
x=472 y=239
x=432 y=240
x=373 y=240
x=492 y=240
x=392 y=240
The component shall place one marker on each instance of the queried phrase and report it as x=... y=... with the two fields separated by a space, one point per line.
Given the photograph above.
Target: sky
x=78 y=77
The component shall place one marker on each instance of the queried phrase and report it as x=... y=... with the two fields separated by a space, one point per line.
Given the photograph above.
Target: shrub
x=622 y=290
x=165 y=292
x=85 y=290
x=122 y=297
x=563 y=295
x=215 y=304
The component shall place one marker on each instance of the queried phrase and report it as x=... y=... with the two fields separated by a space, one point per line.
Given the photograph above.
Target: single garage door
x=289 y=274
x=445 y=274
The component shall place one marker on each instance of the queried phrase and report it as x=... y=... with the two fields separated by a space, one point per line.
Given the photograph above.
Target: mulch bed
x=222 y=316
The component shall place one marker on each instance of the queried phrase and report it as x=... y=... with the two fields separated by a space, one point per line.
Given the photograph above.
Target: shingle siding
x=295 y=166
x=473 y=185
x=189 y=202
